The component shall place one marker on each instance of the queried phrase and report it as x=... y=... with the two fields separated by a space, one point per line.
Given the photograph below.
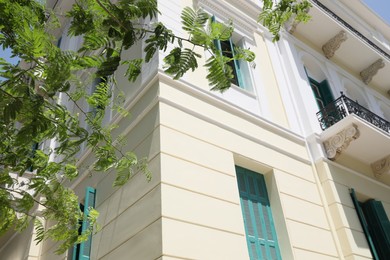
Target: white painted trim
x=281 y=77
x=243 y=24
x=358 y=174
x=232 y=130
x=219 y=102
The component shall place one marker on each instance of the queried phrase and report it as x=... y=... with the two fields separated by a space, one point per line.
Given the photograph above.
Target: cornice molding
x=244 y=21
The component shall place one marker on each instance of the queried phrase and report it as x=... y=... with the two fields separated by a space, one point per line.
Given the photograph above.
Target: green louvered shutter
x=217 y=43
x=237 y=68
x=259 y=226
x=326 y=92
x=321 y=92
x=378 y=226
x=85 y=248
x=227 y=50
x=364 y=224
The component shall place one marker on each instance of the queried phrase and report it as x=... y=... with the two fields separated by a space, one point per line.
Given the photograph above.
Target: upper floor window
x=241 y=68
x=321 y=92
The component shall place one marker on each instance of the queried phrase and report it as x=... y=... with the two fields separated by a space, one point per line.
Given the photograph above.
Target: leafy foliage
x=33 y=185
x=274 y=16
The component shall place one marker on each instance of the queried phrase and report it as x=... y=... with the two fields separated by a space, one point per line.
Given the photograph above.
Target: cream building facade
x=251 y=173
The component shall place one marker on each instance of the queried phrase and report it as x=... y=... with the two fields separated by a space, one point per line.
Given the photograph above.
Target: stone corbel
x=334 y=44
x=340 y=141
x=291 y=24
x=368 y=73
x=381 y=167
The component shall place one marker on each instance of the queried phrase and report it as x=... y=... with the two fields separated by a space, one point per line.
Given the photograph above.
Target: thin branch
x=22 y=193
x=94 y=126
x=141 y=29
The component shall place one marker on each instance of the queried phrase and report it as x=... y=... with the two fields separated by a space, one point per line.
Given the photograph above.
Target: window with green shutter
x=375 y=224
x=259 y=226
x=240 y=68
x=82 y=251
x=321 y=92
x=227 y=50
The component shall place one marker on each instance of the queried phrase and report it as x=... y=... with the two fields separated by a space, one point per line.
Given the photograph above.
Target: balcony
x=347 y=41
x=358 y=133
x=344 y=106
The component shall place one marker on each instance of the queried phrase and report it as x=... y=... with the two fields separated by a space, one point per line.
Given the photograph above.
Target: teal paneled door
x=259 y=226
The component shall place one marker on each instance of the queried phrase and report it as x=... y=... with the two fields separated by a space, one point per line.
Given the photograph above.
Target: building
x=278 y=167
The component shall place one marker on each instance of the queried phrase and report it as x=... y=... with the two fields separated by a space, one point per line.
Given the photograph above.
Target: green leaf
x=179 y=61
x=193 y=19
x=11 y=110
x=220 y=73
x=39 y=231
x=71 y=171
x=133 y=69
x=220 y=31
x=125 y=169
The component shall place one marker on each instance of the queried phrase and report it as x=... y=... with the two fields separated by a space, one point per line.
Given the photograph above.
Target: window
x=259 y=226
x=34 y=148
x=375 y=224
x=227 y=49
x=240 y=68
x=82 y=251
x=322 y=92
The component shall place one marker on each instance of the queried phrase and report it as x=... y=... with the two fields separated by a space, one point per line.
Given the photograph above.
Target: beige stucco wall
x=201 y=141
x=336 y=182
x=14 y=245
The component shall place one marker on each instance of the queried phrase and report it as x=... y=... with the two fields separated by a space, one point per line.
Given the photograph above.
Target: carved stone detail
x=381 y=167
x=291 y=24
x=339 y=142
x=334 y=44
x=368 y=73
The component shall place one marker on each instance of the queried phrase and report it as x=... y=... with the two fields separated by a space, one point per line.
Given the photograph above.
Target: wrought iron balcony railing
x=342 y=107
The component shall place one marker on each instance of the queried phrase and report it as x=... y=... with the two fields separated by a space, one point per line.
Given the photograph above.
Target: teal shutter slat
x=59 y=42
x=378 y=226
x=321 y=92
x=217 y=43
x=237 y=67
x=74 y=253
x=227 y=49
x=85 y=247
x=259 y=226
x=364 y=224
x=326 y=92
x=34 y=148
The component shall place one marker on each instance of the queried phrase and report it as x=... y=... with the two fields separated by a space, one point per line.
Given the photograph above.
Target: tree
x=31 y=113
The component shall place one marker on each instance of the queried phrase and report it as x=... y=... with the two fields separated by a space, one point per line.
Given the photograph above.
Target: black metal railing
x=342 y=107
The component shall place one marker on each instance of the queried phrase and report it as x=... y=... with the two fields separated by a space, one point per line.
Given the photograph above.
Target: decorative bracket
x=381 y=167
x=291 y=24
x=334 y=44
x=339 y=142
x=368 y=73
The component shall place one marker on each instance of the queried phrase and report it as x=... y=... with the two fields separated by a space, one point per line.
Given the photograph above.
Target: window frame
x=236 y=66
